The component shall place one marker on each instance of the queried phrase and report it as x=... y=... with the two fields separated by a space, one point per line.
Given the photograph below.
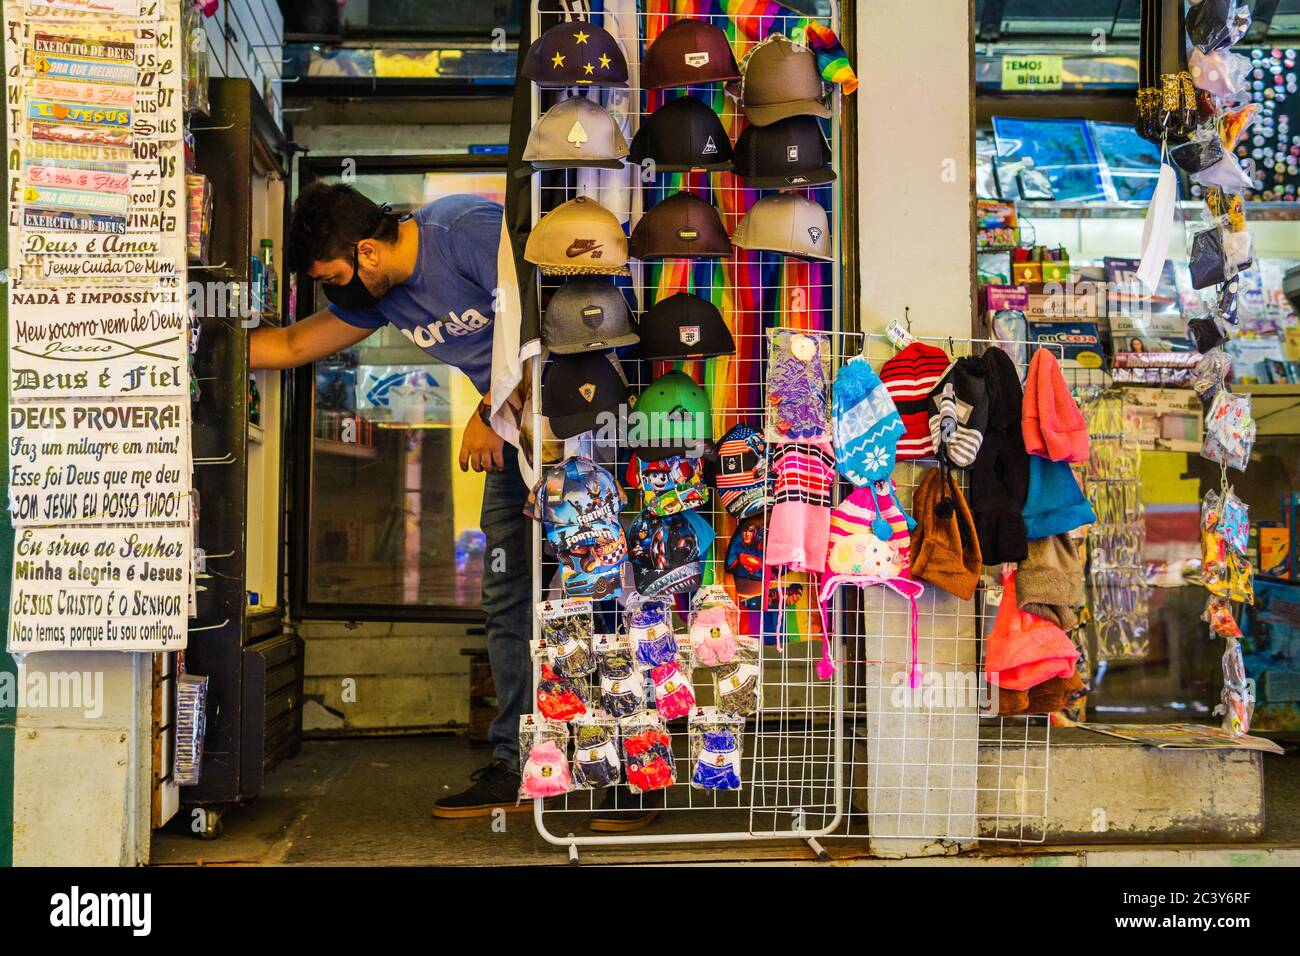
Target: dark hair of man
x=328 y=221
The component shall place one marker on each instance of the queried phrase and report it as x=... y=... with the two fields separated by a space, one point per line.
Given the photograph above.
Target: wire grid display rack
x=805 y=751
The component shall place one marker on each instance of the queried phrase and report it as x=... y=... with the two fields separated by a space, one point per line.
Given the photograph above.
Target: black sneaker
x=623 y=811
x=495 y=785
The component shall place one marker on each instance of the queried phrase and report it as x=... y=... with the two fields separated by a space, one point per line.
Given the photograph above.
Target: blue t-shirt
x=446 y=306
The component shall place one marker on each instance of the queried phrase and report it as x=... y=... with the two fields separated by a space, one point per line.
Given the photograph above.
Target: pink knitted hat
x=1052 y=424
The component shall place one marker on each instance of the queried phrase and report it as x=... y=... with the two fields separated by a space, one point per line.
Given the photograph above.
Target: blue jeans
x=507 y=602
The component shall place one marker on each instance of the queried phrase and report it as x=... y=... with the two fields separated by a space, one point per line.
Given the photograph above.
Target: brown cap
x=781 y=79
x=575 y=132
x=688 y=53
x=578 y=237
x=786 y=223
x=683 y=225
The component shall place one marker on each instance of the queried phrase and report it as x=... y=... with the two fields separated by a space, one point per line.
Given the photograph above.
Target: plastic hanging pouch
x=1217 y=24
x=1206 y=261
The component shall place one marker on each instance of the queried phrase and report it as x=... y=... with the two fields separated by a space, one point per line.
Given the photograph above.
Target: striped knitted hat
x=858 y=550
x=867 y=425
x=910 y=376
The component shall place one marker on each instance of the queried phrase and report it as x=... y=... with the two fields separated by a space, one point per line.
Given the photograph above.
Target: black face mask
x=354 y=295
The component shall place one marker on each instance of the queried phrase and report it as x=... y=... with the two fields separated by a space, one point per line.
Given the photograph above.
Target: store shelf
x=328 y=446
x=1259 y=211
x=1279 y=390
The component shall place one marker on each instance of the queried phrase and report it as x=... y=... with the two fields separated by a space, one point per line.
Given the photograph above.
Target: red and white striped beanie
x=909 y=377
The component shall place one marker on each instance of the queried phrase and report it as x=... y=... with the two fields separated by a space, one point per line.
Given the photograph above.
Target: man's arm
x=314 y=337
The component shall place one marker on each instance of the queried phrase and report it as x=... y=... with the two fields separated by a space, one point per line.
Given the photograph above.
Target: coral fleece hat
x=1022 y=650
x=1052 y=423
x=909 y=377
x=945 y=549
x=1055 y=503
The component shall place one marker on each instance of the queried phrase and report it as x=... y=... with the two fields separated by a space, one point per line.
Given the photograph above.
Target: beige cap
x=575 y=132
x=578 y=237
x=786 y=223
x=781 y=79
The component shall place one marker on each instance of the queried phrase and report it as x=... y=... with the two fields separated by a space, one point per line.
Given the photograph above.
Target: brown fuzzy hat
x=1046 y=698
x=945 y=550
x=1050 y=575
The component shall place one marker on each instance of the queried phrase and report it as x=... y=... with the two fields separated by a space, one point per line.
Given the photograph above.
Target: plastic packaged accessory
x=544 y=766
x=1234 y=123
x=1221 y=74
x=1229 y=430
x=559 y=698
x=1207 y=378
x=191 y=726
x=1237 y=699
x=1226 y=573
x=595 y=751
x=1217 y=24
x=1218 y=614
x=1201 y=151
x=798 y=394
x=1205 y=334
x=649 y=624
x=1234 y=521
x=568 y=630
x=674 y=696
x=736 y=685
x=716 y=742
x=647 y=753
x=715 y=626
x=1206 y=262
x=622 y=686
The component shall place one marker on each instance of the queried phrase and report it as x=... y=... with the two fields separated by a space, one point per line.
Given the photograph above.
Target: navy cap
x=576 y=53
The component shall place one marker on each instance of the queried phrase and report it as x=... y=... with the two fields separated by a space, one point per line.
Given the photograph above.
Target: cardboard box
x=1274 y=550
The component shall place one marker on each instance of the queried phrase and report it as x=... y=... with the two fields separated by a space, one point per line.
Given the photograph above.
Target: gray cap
x=575 y=132
x=587 y=314
x=788 y=223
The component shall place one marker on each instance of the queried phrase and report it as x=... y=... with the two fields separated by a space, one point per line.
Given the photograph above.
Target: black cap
x=576 y=389
x=576 y=53
x=681 y=135
x=789 y=152
x=685 y=326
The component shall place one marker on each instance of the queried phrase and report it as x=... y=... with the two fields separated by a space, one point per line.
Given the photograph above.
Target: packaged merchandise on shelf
x=674 y=696
x=568 y=630
x=716 y=748
x=191 y=728
x=543 y=758
x=622 y=680
x=199 y=199
x=649 y=623
x=715 y=636
x=595 y=751
x=737 y=685
x=647 y=753
x=558 y=698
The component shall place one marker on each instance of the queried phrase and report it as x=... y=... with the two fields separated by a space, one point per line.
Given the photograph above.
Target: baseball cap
x=575 y=132
x=671 y=417
x=578 y=237
x=781 y=79
x=683 y=225
x=688 y=52
x=667 y=553
x=668 y=485
x=740 y=470
x=576 y=53
x=685 y=326
x=681 y=135
x=576 y=389
x=789 y=152
x=579 y=503
x=587 y=314
x=786 y=223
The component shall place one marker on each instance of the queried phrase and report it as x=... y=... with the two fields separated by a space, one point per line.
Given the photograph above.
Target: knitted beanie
x=945 y=550
x=1000 y=476
x=1055 y=503
x=910 y=377
x=958 y=413
x=867 y=424
x=1051 y=576
x=1022 y=651
x=1053 y=426
x=798 y=527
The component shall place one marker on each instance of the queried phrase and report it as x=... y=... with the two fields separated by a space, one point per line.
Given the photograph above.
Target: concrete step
x=1101 y=789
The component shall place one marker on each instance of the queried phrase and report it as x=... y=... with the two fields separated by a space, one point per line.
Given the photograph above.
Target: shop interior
x=338 y=608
